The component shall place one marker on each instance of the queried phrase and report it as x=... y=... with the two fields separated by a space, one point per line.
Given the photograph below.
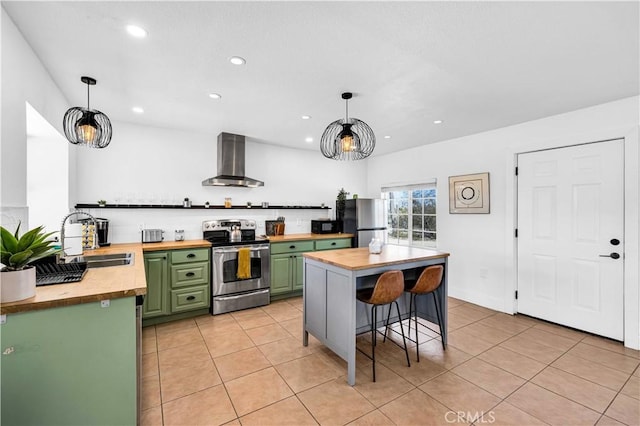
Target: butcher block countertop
x=359 y=258
x=299 y=237
x=175 y=245
x=100 y=283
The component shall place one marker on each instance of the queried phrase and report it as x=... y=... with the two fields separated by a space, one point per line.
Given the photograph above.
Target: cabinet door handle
x=333 y=243
x=190 y=274
x=191 y=255
x=191 y=297
x=292 y=247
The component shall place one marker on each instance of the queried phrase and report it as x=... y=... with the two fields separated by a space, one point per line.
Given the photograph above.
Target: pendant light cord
x=346 y=120
x=88 y=107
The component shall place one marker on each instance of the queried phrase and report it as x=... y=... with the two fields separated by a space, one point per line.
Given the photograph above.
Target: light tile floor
x=249 y=367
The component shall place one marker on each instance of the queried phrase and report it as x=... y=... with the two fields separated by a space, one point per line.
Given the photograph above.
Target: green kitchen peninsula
x=331 y=278
x=69 y=352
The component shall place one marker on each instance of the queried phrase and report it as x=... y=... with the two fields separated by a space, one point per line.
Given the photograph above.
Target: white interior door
x=570 y=230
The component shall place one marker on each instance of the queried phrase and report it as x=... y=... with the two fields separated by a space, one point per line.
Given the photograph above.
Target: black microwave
x=324 y=226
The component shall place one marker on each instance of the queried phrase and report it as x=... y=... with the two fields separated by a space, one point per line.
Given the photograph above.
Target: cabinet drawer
x=188 y=299
x=291 y=247
x=191 y=255
x=337 y=243
x=189 y=274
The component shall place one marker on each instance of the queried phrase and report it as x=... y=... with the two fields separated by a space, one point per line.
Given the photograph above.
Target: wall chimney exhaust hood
x=231 y=163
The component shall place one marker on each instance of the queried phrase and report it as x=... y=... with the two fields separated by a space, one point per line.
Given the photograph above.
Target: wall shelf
x=211 y=207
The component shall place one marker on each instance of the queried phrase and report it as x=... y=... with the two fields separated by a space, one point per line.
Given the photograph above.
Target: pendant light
x=85 y=126
x=348 y=139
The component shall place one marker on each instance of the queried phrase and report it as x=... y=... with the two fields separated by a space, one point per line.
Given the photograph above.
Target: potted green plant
x=340 y=205
x=102 y=203
x=18 y=276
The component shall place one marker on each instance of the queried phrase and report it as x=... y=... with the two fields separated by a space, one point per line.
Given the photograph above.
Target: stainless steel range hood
x=231 y=163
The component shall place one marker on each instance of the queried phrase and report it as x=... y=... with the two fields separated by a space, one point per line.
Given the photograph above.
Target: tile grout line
x=555 y=393
x=218 y=373
x=414 y=387
x=526 y=381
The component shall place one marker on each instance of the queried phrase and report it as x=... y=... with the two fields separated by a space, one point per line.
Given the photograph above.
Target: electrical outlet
x=484 y=272
x=105 y=303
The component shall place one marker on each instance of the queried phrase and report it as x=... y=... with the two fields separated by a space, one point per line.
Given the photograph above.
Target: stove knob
x=206 y=225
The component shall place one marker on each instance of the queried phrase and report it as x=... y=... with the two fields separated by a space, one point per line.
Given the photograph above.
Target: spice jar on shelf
x=227 y=203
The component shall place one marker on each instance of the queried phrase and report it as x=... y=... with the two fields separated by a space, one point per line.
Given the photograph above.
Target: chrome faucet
x=64 y=220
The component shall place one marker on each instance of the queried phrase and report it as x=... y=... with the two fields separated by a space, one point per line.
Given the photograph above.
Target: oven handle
x=235 y=249
x=239 y=296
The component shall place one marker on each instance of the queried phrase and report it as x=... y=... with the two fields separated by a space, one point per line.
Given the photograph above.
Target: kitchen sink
x=104 y=260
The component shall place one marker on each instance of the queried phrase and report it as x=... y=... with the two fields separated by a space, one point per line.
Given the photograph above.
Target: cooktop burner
x=218 y=232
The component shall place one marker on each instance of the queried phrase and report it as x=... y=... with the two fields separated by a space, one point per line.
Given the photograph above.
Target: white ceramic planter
x=17 y=285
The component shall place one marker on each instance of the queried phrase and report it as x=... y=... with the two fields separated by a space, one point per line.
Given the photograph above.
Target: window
x=411 y=214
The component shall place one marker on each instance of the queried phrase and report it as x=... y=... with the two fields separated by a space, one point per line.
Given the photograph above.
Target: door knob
x=614 y=241
x=613 y=255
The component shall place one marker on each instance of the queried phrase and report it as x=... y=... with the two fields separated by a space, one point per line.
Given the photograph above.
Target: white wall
x=482 y=247
x=24 y=79
x=143 y=163
x=147 y=165
x=47 y=188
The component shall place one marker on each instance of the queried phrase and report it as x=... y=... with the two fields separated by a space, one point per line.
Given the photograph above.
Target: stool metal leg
x=374 y=312
x=386 y=326
x=410 y=303
x=404 y=341
x=435 y=300
x=415 y=318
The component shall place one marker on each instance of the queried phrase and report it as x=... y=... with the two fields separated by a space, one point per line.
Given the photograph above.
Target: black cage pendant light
x=348 y=138
x=85 y=126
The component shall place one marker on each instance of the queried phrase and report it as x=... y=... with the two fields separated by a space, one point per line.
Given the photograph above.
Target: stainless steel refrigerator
x=365 y=218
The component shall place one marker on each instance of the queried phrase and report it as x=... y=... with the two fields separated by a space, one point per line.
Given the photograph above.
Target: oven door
x=224 y=271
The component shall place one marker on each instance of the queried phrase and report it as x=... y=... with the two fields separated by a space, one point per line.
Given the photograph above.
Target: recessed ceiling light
x=387 y=137
x=215 y=95
x=437 y=121
x=137 y=31
x=308 y=140
x=137 y=110
x=237 y=60
x=306 y=117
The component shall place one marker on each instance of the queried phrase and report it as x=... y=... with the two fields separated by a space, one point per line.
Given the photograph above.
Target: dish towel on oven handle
x=244 y=263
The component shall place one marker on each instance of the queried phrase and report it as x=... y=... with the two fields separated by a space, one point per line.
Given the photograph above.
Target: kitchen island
x=331 y=278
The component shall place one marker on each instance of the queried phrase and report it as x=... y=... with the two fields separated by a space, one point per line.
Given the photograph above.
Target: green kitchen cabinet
x=177 y=285
x=333 y=244
x=70 y=365
x=280 y=274
x=287 y=263
x=156 y=267
x=286 y=273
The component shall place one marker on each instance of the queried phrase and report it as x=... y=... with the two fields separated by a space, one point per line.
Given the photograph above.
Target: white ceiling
x=476 y=65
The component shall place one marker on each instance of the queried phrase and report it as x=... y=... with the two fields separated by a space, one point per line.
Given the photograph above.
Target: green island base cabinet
x=70 y=365
x=177 y=285
x=287 y=263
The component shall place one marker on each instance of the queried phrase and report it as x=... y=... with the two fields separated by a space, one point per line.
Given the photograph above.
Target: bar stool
x=388 y=289
x=428 y=282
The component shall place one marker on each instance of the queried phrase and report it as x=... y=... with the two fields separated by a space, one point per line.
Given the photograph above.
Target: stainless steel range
x=230 y=293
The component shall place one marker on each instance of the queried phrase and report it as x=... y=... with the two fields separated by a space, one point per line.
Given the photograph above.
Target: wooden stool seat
x=428 y=282
x=388 y=289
